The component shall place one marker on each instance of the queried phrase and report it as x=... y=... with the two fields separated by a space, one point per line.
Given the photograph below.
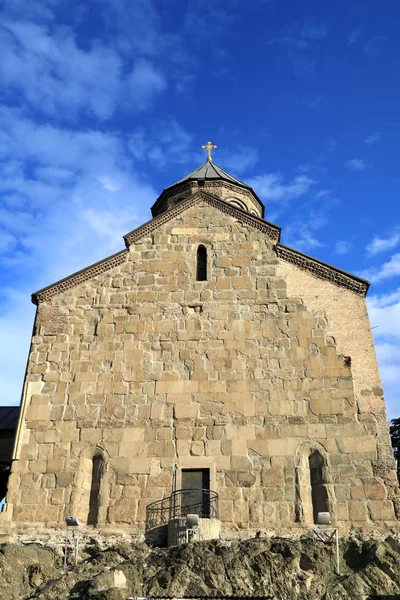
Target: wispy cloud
x=380 y=244
x=384 y=313
x=43 y=68
x=301 y=33
x=273 y=187
x=314 y=101
x=375 y=46
x=353 y=36
x=297 y=41
x=356 y=164
x=343 y=247
x=323 y=194
x=238 y=159
x=372 y=139
x=388 y=270
x=163 y=143
x=331 y=145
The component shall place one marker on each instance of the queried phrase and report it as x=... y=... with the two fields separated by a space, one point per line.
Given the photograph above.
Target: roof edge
x=323 y=270
x=272 y=230
x=47 y=293
x=78 y=277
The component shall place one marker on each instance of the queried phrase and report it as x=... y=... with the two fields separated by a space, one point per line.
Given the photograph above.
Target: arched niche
x=238 y=203
x=90 y=502
x=314 y=492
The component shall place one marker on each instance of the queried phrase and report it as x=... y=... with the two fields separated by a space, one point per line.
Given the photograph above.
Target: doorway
x=195 y=487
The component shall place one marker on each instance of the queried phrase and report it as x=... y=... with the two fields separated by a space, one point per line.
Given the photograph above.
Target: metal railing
x=181 y=503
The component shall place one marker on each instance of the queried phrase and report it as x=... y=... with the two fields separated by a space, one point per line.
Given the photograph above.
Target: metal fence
x=181 y=503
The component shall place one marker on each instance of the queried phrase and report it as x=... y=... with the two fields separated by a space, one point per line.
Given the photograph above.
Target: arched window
x=311 y=486
x=319 y=496
x=201 y=266
x=95 y=486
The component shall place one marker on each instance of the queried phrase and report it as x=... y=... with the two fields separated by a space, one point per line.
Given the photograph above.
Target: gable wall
x=159 y=371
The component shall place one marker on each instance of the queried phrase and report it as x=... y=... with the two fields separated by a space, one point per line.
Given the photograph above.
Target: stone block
x=186 y=411
x=357 y=511
x=29 y=452
x=226 y=511
x=38 y=413
x=381 y=510
x=240 y=463
x=374 y=490
x=277 y=447
x=239 y=447
x=272 y=477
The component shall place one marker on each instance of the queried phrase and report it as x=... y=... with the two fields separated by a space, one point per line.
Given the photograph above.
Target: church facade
x=209 y=356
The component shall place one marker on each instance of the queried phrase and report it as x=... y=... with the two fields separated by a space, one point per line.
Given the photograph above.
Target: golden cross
x=209 y=146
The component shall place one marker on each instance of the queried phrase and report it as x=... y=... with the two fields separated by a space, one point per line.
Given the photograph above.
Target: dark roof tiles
x=9 y=418
x=211 y=171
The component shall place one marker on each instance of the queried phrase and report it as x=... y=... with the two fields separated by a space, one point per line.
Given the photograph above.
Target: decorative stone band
x=193 y=184
x=80 y=277
x=271 y=230
x=323 y=270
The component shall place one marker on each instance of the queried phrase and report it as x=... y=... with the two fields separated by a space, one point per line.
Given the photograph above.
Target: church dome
x=214 y=180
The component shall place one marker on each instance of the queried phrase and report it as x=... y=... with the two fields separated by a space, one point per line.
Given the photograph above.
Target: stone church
x=205 y=369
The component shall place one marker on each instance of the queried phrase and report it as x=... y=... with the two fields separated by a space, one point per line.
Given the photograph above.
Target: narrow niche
x=97 y=472
x=311 y=488
x=319 y=496
x=201 y=266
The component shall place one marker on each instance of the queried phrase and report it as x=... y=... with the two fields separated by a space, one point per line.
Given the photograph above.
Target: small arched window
x=319 y=495
x=97 y=465
x=201 y=266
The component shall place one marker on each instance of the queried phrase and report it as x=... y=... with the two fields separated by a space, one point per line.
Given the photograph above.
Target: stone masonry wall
x=244 y=374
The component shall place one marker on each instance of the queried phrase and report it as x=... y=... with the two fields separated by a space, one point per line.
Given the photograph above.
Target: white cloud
x=382 y=244
x=164 y=143
x=58 y=77
x=16 y=323
x=389 y=269
x=353 y=37
x=331 y=145
x=77 y=172
x=323 y=194
x=144 y=83
x=372 y=139
x=238 y=159
x=375 y=46
x=274 y=188
x=356 y=164
x=384 y=312
x=342 y=247
x=83 y=195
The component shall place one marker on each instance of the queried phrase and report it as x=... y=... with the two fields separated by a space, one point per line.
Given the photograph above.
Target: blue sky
x=103 y=104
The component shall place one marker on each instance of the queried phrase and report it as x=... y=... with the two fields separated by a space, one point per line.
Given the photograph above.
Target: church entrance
x=195 y=492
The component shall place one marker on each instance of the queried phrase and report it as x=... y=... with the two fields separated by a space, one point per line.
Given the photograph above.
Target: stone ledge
x=323 y=270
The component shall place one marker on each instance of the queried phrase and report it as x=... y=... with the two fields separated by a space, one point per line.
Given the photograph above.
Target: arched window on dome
x=201 y=263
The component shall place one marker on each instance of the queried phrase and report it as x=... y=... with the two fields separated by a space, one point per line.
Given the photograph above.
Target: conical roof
x=210 y=171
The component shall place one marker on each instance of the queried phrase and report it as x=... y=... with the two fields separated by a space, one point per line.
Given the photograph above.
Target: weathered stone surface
x=290 y=569
x=146 y=371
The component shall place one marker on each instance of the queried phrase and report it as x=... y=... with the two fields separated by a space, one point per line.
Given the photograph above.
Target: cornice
x=71 y=281
x=208 y=183
x=244 y=217
x=47 y=293
x=323 y=270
